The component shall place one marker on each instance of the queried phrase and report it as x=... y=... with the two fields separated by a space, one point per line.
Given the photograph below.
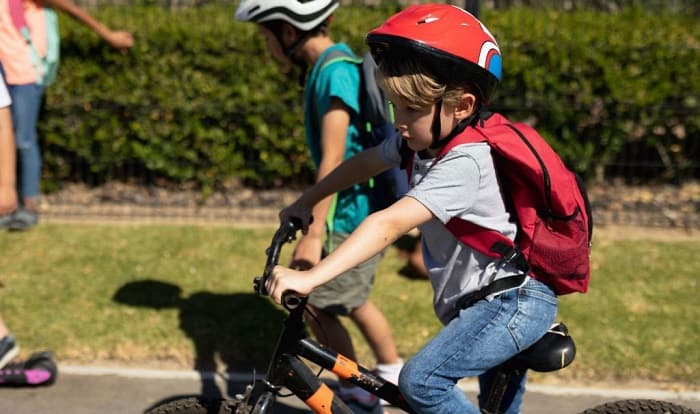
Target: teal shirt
x=339 y=80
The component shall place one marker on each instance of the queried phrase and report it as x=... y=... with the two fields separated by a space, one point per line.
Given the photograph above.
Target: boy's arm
x=357 y=169
x=334 y=129
x=8 y=194
x=119 y=39
x=375 y=233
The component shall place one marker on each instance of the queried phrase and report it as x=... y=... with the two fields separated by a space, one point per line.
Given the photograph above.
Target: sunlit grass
x=160 y=295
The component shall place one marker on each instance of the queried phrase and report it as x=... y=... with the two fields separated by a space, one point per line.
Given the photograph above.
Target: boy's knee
x=412 y=383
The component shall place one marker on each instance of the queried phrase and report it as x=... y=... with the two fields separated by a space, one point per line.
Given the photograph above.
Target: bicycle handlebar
x=286 y=233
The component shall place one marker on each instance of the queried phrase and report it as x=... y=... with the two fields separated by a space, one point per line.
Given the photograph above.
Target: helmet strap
x=436 y=126
x=461 y=126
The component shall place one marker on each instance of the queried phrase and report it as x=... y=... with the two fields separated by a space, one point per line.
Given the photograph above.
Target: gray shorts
x=349 y=290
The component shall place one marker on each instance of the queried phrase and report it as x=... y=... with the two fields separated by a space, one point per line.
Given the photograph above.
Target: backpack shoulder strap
x=18 y=19
x=486 y=241
x=338 y=56
x=20 y=23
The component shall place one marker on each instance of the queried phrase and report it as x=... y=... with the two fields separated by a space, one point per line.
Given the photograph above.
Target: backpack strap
x=20 y=23
x=497 y=286
x=489 y=242
x=338 y=56
x=18 y=19
x=486 y=241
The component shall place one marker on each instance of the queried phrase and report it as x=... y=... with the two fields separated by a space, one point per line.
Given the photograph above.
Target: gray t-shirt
x=462 y=184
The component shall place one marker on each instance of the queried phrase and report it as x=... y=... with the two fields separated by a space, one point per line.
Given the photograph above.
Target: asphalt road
x=87 y=391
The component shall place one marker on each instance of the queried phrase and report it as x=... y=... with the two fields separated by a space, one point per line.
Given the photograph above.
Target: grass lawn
x=167 y=296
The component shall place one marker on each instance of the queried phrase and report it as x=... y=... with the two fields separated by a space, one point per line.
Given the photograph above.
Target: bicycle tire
x=639 y=407
x=198 y=405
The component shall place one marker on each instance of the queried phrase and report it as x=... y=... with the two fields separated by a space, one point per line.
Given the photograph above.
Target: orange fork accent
x=321 y=401
x=345 y=368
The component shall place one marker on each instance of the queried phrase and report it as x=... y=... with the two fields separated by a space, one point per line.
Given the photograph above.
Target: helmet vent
x=429 y=19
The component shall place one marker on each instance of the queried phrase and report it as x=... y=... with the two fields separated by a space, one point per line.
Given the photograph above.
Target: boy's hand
x=284 y=279
x=297 y=210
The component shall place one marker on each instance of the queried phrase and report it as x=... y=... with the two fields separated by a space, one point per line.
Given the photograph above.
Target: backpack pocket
x=559 y=253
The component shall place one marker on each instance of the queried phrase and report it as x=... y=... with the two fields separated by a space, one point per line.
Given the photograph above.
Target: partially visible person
x=8 y=347
x=297 y=33
x=8 y=201
x=439 y=66
x=8 y=192
x=26 y=91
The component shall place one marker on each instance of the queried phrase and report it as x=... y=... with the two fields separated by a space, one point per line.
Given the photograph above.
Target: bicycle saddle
x=555 y=350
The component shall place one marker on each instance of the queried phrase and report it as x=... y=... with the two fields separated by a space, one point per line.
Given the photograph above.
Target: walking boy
x=296 y=33
x=439 y=66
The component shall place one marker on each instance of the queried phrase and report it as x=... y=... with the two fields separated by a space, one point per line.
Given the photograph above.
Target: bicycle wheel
x=198 y=405
x=639 y=407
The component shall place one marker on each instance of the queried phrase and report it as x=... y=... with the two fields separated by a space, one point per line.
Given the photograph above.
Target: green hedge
x=199 y=100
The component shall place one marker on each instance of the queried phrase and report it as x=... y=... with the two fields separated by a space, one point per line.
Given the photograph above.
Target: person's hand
x=284 y=279
x=300 y=211
x=307 y=252
x=120 y=39
x=8 y=199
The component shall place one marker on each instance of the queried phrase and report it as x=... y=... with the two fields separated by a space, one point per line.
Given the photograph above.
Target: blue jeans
x=480 y=338
x=26 y=101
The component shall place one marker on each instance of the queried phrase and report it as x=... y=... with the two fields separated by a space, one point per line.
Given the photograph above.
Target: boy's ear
x=288 y=33
x=466 y=106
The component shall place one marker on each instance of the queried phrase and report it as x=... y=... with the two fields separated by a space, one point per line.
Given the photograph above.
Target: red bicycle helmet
x=454 y=44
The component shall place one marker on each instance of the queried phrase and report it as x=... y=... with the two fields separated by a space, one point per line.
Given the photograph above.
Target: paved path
x=90 y=390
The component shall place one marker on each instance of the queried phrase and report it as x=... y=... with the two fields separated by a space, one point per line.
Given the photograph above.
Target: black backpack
x=376 y=124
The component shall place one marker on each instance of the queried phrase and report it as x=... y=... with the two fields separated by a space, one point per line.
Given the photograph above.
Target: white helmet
x=304 y=15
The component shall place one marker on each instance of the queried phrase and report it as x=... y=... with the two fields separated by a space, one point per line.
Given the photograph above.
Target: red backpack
x=547 y=200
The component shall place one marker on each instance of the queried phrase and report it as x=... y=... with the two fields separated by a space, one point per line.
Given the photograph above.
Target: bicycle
x=554 y=351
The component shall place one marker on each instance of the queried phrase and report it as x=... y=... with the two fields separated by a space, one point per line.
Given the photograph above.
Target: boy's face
x=275 y=49
x=414 y=124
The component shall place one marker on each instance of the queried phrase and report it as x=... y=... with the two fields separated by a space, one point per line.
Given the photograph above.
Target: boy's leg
x=329 y=331
x=377 y=331
x=478 y=339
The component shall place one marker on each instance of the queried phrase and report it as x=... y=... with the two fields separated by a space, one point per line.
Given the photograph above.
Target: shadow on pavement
x=239 y=330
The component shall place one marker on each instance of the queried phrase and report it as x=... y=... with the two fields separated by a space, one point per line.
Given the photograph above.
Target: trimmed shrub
x=199 y=100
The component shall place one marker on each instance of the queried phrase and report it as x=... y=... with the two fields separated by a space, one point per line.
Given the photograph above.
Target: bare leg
x=331 y=332
x=4 y=331
x=377 y=332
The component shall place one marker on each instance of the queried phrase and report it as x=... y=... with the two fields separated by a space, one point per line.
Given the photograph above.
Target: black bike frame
x=287 y=369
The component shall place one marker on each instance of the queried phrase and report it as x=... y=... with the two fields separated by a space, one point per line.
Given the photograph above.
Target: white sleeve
x=4 y=95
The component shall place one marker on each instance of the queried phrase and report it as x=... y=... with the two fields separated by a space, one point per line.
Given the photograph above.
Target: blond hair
x=411 y=81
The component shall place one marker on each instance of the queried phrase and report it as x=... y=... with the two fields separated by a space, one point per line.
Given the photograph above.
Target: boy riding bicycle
x=439 y=66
